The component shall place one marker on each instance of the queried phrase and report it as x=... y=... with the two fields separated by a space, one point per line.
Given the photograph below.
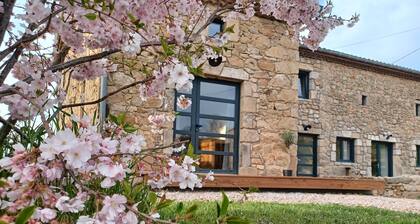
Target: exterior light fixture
x=306 y=127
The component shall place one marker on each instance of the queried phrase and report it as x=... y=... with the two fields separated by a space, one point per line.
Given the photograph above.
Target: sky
x=379 y=18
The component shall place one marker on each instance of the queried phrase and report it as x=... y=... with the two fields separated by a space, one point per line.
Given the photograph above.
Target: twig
x=110 y=94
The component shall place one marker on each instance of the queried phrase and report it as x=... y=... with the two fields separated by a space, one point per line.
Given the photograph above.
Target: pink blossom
x=36 y=11
x=183 y=102
x=181 y=77
x=77 y=156
x=44 y=215
x=112 y=173
x=74 y=205
x=132 y=143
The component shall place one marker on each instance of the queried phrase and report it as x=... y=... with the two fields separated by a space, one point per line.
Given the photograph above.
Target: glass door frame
x=195 y=116
x=390 y=149
x=314 y=155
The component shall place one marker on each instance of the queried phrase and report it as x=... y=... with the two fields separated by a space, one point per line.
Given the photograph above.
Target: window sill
x=344 y=163
x=304 y=99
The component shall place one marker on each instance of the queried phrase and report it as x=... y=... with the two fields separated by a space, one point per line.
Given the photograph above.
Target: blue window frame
x=215 y=28
x=303 y=85
x=418 y=109
x=345 y=150
x=211 y=124
x=418 y=155
x=381 y=159
x=307 y=155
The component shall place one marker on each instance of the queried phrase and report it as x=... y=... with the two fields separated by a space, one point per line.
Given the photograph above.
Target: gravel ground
x=395 y=204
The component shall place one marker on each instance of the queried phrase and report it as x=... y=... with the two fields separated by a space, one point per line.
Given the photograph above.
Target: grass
x=268 y=213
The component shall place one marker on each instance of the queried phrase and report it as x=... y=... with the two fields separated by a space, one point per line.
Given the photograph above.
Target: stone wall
x=81 y=92
x=407 y=186
x=335 y=110
x=265 y=61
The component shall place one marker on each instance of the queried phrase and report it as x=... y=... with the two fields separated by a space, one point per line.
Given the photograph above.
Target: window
x=303 y=85
x=216 y=27
x=364 y=100
x=418 y=109
x=345 y=150
x=211 y=124
x=418 y=155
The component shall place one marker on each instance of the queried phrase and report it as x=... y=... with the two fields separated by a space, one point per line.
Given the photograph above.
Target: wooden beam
x=310 y=183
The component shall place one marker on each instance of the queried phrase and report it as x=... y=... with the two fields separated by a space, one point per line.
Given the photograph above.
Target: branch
x=110 y=94
x=11 y=125
x=30 y=37
x=8 y=6
x=143 y=150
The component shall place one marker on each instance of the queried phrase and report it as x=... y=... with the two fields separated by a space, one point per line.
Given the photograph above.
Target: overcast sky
x=379 y=18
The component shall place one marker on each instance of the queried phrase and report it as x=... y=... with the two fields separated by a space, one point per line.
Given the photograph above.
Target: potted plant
x=288 y=139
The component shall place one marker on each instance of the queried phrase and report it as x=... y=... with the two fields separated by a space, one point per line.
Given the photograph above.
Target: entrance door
x=381 y=159
x=212 y=124
x=307 y=155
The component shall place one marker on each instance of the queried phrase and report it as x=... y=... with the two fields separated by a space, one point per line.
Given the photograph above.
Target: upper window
x=215 y=27
x=364 y=100
x=345 y=150
x=418 y=155
x=418 y=109
x=303 y=85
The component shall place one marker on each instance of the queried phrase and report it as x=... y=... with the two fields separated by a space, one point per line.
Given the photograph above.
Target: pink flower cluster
x=41 y=173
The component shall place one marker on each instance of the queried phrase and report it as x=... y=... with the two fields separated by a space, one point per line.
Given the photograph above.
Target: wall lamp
x=388 y=137
x=306 y=127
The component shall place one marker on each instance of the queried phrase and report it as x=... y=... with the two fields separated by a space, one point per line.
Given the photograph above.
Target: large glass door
x=382 y=159
x=307 y=155
x=212 y=124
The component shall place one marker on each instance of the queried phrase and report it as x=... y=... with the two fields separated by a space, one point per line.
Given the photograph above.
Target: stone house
x=349 y=115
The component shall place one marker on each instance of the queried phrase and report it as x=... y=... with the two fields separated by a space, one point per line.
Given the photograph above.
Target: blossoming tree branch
x=84 y=172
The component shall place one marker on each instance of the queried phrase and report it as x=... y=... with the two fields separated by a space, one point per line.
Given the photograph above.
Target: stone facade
x=334 y=109
x=266 y=61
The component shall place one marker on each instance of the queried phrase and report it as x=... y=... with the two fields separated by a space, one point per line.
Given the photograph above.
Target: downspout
x=103 y=91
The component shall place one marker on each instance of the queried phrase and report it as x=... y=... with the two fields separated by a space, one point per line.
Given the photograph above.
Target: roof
x=359 y=62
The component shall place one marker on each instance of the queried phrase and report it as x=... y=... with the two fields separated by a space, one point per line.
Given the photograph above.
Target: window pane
x=219 y=144
x=217 y=90
x=217 y=108
x=305 y=140
x=384 y=159
x=215 y=28
x=346 y=150
x=303 y=85
x=182 y=138
x=183 y=123
x=305 y=150
x=418 y=156
x=308 y=160
x=217 y=126
x=305 y=170
x=216 y=162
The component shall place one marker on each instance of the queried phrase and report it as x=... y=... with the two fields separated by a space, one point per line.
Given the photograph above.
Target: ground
x=301 y=208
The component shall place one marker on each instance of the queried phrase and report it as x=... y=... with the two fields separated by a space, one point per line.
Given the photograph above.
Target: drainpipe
x=103 y=91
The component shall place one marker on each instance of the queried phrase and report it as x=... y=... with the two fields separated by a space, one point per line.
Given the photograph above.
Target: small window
x=418 y=155
x=216 y=27
x=345 y=150
x=364 y=100
x=303 y=85
x=418 y=109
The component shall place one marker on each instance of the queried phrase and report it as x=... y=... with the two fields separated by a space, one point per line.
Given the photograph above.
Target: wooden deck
x=297 y=183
